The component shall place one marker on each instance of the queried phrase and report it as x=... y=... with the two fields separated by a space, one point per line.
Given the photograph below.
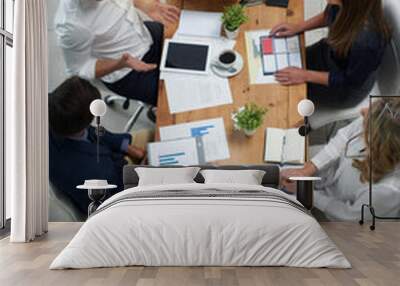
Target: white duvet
x=200 y=231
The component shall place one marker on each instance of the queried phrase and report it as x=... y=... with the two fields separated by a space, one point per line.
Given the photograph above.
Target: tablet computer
x=186 y=57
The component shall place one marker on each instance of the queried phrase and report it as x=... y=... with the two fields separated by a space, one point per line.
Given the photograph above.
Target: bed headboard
x=271 y=177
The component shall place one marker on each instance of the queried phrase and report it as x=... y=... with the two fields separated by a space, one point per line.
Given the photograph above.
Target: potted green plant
x=249 y=118
x=233 y=17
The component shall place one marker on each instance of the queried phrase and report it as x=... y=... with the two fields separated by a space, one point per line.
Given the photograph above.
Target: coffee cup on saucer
x=226 y=59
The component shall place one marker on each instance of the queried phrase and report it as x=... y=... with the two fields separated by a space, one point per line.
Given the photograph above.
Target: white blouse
x=88 y=30
x=341 y=194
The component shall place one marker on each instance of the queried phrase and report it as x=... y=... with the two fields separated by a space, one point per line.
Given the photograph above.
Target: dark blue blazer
x=71 y=162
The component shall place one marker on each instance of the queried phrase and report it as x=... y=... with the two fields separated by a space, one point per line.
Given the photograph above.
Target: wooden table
x=280 y=101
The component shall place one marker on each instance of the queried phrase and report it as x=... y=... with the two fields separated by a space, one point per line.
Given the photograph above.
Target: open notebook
x=284 y=146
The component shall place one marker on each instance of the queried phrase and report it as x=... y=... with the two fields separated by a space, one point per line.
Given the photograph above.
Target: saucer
x=238 y=66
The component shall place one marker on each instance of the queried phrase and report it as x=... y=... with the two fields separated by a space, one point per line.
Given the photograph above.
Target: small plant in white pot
x=249 y=118
x=234 y=16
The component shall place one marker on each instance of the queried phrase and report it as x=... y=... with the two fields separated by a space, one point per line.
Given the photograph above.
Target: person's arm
x=316 y=22
x=107 y=66
x=318 y=77
x=144 y=5
x=328 y=156
x=362 y=62
x=116 y=142
x=336 y=147
x=364 y=58
x=308 y=170
x=287 y=29
x=293 y=75
x=76 y=43
x=121 y=143
x=160 y=12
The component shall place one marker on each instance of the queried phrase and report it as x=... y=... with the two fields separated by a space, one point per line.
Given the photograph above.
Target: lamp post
x=305 y=108
x=98 y=108
x=97 y=188
x=305 y=186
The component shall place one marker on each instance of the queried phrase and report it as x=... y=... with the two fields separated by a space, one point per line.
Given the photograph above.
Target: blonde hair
x=382 y=140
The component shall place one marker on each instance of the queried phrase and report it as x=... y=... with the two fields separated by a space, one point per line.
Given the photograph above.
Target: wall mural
x=126 y=89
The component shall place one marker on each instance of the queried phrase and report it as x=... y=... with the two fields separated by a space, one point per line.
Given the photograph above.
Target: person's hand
x=164 y=13
x=135 y=153
x=127 y=61
x=308 y=170
x=288 y=185
x=291 y=76
x=285 y=30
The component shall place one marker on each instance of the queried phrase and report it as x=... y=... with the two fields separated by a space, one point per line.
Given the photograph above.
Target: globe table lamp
x=305 y=108
x=98 y=108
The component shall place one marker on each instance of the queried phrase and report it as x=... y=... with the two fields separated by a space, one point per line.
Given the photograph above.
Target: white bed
x=268 y=228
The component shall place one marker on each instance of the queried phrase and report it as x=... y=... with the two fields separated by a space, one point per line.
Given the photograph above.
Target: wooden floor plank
x=375 y=257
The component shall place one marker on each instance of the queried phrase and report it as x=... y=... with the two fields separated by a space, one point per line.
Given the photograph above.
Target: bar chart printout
x=175 y=152
x=201 y=130
x=212 y=132
x=170 y=159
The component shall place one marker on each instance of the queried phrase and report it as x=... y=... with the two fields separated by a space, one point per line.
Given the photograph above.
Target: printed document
x=181 y=152
x=198 y=23
x=186 y=93
x=266 y=55
x=212 y=132
x=256 y=69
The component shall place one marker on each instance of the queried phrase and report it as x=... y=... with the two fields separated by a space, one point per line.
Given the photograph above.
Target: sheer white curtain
x=27 y=123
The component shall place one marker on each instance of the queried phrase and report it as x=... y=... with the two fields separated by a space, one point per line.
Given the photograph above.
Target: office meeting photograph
x=200 y=142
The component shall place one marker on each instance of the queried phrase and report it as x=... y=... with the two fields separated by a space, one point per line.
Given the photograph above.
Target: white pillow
x=166 y=176
x=247 y=177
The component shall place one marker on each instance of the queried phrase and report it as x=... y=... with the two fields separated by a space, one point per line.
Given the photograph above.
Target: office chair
x=112 y=98
x=62 y=208
x=387 y=81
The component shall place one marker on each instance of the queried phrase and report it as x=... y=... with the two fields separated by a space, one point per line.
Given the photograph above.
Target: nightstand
x=305 y=190
x=97 y=190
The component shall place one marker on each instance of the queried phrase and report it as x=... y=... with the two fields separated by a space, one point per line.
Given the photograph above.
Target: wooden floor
x=375 y=257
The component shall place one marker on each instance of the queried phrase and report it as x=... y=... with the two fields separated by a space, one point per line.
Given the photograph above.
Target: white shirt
x=341 y=193
x=88 y=30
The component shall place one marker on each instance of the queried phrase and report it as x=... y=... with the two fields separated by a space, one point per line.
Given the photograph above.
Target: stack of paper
x=212 y=132
x=186 y=92
x=198 y=23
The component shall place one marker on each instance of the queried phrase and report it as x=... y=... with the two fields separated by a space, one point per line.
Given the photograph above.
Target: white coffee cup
x=226 y=59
